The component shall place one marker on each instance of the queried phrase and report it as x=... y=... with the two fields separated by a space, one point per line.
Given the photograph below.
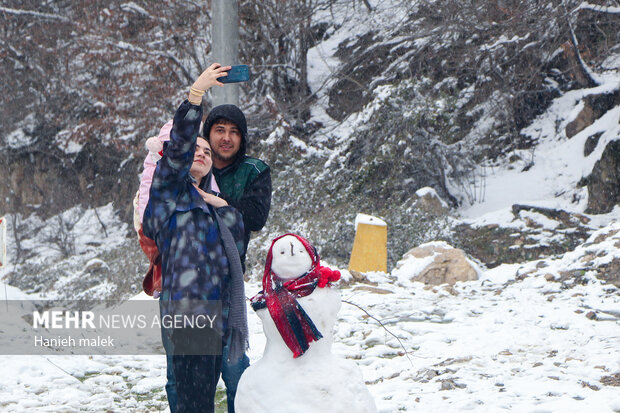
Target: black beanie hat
x=228 y=112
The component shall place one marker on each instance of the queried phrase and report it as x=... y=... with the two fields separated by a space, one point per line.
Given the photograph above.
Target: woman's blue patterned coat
x=194 y=263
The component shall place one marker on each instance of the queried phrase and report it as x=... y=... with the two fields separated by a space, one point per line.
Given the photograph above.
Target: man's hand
x=211 y=199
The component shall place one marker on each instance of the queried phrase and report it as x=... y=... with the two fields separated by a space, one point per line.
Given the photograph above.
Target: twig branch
x=598 y=8
x=586 y=69
x=384 y=327
x=60 y=368
x=32 y=13
x=105 y=231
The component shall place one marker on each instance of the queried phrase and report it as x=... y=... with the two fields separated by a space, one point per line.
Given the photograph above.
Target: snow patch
x=369 y=220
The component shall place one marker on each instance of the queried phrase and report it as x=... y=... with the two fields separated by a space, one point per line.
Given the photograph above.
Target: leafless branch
x=32 y=13
x=384 y=327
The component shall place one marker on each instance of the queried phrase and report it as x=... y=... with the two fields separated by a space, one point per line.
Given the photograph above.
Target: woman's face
x=202 y=159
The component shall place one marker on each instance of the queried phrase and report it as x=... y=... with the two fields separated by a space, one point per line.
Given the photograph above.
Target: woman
x=199 y=238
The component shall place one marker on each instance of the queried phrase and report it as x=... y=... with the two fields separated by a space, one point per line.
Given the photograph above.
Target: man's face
x=202 y=159
x=225 y=140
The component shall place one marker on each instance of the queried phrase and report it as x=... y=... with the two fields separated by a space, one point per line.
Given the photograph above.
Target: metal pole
x=225 y=37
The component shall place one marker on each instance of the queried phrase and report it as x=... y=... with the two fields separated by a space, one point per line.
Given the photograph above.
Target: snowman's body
x=315 y=382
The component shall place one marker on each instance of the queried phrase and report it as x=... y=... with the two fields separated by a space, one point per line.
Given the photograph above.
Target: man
x=245 y=183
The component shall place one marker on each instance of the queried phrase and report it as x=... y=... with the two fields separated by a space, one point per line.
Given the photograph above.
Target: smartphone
x=237 y=73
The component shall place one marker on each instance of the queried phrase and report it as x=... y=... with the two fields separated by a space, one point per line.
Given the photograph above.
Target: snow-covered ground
x=495 y=344
x=524 y=337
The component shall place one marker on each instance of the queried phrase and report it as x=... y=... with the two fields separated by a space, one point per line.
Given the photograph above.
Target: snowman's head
x=290 y=258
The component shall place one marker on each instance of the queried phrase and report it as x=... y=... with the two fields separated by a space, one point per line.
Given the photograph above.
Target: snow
x=411 y=267
x=8 y=292
x=34 y=14
x=558 y=162
x=365 y=219
x=18 y=139
x=131 y=6
x=598 y=8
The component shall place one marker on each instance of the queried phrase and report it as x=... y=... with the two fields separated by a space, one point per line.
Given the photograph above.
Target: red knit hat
x=312 y=252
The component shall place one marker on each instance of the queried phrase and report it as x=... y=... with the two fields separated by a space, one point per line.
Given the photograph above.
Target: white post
x=225 y=38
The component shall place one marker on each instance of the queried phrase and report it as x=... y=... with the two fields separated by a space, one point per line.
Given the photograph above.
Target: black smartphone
x=237 y=73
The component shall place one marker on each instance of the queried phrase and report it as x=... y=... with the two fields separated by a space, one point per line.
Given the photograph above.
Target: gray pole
x=225 y=37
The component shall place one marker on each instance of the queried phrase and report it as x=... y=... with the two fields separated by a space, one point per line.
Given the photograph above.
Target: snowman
x=298 y=307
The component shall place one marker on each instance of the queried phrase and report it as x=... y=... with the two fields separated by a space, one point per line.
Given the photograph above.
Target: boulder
x=591 y=143
x=594 y=106
x=430 y=202
x=448 y=266
x=584 y=119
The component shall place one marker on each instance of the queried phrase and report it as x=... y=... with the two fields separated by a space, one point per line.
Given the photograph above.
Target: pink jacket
x=155 y=145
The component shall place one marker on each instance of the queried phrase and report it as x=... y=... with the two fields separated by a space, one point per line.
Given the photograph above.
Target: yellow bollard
x=370 y=245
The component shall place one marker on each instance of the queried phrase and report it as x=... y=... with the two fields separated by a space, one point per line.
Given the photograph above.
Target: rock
x=594 y=106
x=494 y=245
x=610 y=272
x=62 y=180
x=604 y=181
x=449 y=265
x=451 y=361
x=567 y=219
x=425 y=375
x=602 y=237
x=450 y=290
x=584 y=119
x=96 y=265
x=591 y=143
x=522 y=276
x=613 y=380
x=591 y=315
x=372 y=289
x=447 y=385
x=356 y=278
x=430 y=202
x=587 y=258
x=450 y=384
x=549 y=277
x=530 y=223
